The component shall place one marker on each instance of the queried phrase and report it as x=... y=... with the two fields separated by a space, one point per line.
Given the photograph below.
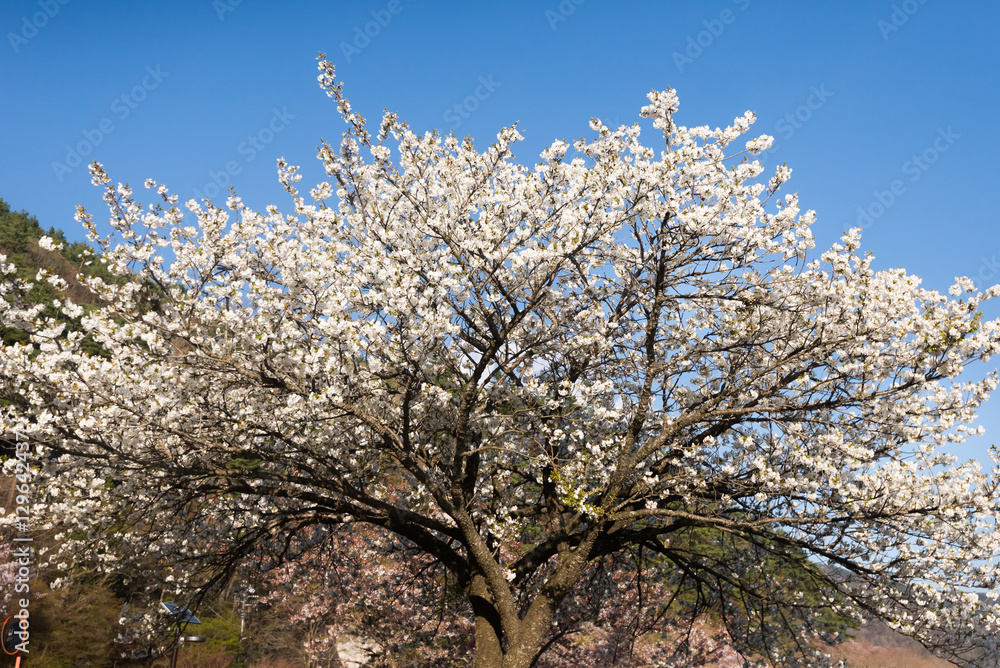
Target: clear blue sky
x=863 y=98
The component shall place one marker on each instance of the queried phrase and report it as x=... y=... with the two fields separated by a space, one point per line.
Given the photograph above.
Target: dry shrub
x=74 y=625
x=864 y=655
x=196 y=656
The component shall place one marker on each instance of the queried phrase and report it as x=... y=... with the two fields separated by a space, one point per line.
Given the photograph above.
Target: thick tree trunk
x=523 y=652
x=489 y=651
x=518 y=644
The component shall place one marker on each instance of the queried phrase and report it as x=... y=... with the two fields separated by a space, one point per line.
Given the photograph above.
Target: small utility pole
x=244 y=600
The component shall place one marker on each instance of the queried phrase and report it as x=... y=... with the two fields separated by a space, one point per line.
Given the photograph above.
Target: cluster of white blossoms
x=519 y=370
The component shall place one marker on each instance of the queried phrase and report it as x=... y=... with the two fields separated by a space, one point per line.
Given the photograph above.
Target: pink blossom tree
x=398 y=608
x=525 y=376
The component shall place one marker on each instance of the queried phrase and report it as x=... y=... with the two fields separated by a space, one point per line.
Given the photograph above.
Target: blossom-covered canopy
x=520 y=373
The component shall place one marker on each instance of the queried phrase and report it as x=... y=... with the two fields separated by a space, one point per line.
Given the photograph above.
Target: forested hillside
x=20 y=233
